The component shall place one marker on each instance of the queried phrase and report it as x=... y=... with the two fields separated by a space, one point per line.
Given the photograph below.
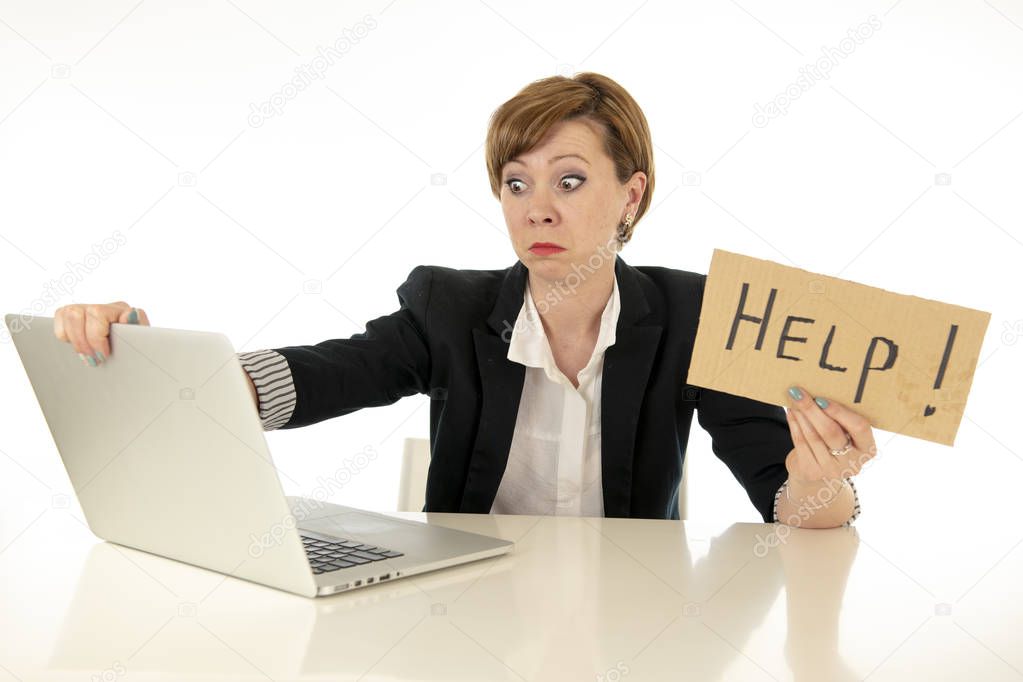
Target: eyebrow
x=553 y=159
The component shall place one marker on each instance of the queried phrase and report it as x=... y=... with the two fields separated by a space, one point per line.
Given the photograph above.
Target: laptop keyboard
x=333 y=555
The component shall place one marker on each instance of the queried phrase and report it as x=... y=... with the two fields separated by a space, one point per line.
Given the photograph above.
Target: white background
x=134 y=117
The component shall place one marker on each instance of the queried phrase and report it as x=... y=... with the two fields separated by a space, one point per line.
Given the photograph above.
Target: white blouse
x=554 y=460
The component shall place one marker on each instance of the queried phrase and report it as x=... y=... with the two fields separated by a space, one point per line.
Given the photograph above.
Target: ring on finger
x=844 y=449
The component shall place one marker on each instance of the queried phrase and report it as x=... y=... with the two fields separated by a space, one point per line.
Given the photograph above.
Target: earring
x=623 y=228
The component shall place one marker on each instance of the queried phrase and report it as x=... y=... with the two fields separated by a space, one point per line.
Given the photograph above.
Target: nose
x=540 y=210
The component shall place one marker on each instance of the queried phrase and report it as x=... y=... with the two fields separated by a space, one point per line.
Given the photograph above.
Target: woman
x=557 y=384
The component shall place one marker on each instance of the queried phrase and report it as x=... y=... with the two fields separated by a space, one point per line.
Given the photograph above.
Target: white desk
x=578 y=599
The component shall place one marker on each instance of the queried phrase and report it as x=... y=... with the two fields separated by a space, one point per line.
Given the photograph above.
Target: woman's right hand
x=86 y=326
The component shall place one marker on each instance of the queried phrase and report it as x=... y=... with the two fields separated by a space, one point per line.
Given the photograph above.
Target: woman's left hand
x=817 y=430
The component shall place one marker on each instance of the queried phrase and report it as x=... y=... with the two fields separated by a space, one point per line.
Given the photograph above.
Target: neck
x=572 y=311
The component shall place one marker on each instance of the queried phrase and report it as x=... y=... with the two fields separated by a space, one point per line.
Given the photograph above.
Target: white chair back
x=416 y=463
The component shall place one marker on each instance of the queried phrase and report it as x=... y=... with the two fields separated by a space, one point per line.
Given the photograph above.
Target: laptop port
x=357 y=583
x=369 y=581
x=385 y=576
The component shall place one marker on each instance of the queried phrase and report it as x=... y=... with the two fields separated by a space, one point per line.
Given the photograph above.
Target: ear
x=637 y=187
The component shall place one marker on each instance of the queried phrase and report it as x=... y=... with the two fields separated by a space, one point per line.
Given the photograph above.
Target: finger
x=132 y=315
x=801 y=462
x=827 y=462
x=97 y=327
x=58 y=325
x=856 y=425
x=74 y=328
x=830 y=431
x=123 y=313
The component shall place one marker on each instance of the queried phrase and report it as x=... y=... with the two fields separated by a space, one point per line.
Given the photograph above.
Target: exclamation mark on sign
x=929 y=409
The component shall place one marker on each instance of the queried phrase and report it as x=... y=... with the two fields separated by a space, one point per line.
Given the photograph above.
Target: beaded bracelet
x=785 y=487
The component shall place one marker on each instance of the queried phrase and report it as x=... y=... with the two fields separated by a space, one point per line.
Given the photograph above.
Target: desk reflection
x=616 y=598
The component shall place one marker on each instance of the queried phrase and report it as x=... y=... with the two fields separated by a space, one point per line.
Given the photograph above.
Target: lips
x=545 y=248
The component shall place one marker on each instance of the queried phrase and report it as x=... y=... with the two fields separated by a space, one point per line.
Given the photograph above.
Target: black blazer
x=449 y=339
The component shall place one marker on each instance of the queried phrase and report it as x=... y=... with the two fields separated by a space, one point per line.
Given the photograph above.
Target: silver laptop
x=166 y=454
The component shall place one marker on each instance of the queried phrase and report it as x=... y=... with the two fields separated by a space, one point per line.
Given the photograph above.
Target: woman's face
x=564 y=192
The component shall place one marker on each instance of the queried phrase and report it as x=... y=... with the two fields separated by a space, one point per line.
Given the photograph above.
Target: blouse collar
x=529 y=345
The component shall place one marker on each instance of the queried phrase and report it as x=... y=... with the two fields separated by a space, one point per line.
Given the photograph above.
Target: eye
x=564 y=183
x=567 y=178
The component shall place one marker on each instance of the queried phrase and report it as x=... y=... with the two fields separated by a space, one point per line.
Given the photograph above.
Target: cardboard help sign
x=903 y=362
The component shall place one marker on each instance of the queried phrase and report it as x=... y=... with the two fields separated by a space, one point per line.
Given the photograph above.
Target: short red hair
x=521 y=123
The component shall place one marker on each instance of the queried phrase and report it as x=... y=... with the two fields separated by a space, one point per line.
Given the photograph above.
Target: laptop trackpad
x=347 y=524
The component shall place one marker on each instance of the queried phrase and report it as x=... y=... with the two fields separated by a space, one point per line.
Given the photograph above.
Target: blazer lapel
x=626 y=372
x=501 y=383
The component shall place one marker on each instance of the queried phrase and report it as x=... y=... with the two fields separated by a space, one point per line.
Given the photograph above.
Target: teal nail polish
x=795 y=393
x=133 y=317
x=99 y=354
x=84 y=361
x=91 y=360
x=821 y=402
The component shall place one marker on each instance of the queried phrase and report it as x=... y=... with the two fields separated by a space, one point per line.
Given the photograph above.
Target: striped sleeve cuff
x=856 y=503
x=275 y=387
x=774 y=512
